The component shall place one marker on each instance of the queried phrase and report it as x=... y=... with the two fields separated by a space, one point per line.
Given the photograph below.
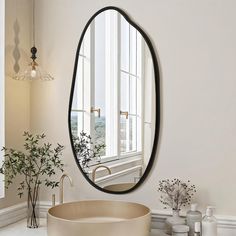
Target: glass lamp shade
x=33 y=72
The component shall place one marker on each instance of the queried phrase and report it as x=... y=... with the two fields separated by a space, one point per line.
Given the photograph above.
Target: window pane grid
x=132 y=125
x=77 y=116
x=77 y=122
x=130 y=74
x=130 y=78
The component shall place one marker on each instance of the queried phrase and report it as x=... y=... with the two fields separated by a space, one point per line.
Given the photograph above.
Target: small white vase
x=175 y=219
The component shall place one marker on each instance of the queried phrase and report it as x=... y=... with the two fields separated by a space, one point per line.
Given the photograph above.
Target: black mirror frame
x=157 y=88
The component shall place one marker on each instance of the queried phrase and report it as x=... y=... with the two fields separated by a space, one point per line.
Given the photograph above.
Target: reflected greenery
x=86 y=150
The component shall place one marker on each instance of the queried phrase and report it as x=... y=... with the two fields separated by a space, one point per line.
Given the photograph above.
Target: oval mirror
x=114 y=110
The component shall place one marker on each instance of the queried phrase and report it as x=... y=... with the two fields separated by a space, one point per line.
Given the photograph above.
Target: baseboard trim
x=43 y=208
x=13 y=214
x=159 y=217
x=18 y=212
x=228 y=222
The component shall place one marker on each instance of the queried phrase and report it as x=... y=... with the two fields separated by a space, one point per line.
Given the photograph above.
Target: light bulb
x=33 y=73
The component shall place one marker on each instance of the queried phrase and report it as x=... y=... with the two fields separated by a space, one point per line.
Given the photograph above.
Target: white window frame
x=116 y=73
x=85 y=109
x=128 y=72
x=2 y=88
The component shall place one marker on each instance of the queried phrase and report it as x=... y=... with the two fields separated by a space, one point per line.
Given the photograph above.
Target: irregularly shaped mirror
x=114 y=104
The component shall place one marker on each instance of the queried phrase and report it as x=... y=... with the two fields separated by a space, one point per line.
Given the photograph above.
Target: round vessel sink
x=119 y=187
x=98 y=217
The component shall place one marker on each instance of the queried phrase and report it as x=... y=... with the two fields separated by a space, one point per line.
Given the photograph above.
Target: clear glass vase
x=175 y=219
x=33 y=208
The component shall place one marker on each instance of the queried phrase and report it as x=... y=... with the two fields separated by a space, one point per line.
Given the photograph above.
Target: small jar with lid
x=180 y=230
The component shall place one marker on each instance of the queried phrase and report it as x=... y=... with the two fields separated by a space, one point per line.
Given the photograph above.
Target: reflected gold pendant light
x=33 y=71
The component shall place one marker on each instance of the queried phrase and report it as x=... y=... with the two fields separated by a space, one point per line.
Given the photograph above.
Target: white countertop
x=20 y=229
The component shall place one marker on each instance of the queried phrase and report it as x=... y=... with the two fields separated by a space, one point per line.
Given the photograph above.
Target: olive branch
x=37 y=164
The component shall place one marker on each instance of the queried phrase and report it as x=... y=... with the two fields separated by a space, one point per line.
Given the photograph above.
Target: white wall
x=2 y=86
x=17 y=93
x=195 y=43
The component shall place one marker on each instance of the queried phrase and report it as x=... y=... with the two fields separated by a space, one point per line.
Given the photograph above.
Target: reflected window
x=108 y=96
x=81 y=101
x=130 y=88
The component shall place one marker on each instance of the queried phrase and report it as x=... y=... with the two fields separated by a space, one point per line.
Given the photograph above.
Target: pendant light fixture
x=33 y=70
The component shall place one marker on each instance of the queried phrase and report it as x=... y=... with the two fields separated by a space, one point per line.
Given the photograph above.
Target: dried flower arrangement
x=176 y=193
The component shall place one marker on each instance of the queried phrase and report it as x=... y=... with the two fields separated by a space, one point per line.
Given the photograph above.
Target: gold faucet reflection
x=61 y=187
x=98 y=167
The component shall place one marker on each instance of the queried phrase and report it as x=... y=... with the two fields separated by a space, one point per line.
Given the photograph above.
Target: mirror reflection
x=113 y=110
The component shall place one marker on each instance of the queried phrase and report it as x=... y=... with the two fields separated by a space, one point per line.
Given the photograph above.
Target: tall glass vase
x=175 y=219
x=33 y=209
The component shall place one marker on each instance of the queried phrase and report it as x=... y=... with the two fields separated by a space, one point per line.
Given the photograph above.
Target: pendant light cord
x=33 y=49
x=33 y=11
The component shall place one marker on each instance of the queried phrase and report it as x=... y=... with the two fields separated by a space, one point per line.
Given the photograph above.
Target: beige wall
x=195 y=43
x=17 y=93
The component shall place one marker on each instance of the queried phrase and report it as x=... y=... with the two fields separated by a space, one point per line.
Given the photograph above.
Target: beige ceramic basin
x=100 y=218
x=119 y=187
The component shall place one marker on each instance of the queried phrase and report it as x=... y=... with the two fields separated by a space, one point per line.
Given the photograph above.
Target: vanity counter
x=20 y=229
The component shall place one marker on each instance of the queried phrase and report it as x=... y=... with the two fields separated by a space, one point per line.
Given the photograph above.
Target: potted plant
x=175 y=194
x=36 y=165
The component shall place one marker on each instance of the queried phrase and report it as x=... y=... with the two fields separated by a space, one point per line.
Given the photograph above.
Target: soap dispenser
x=192 y=217
x=209 y=223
